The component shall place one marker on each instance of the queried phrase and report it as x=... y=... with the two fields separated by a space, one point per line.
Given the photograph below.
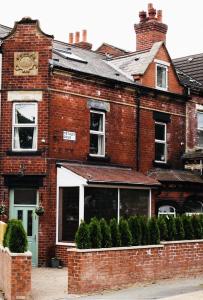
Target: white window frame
x=166 y=68
x=167 y=213
x=24 y=125
x=162 y=142
x=199 y=128
x=99 y=133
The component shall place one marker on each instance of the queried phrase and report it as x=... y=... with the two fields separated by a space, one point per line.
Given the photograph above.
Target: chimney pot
x=77 y=37
x=84 y=35
x=70 y=38
x=142 y=15
x=159 y=15
x=150 y=6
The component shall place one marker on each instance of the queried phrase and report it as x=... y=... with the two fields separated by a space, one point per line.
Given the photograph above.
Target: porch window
x=97 y=133
x=24 y=126
x=160 y=142
x=200 y=129
x=134 y=202
x=68 y=213
x=100 y=203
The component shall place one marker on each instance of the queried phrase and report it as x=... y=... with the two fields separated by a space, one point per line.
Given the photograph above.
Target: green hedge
x=138 y=230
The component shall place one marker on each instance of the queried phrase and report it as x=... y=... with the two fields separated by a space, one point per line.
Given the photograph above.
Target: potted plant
x=2 y=209
x=39 y=210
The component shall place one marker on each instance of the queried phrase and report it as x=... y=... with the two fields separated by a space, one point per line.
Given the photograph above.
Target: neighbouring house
x=86 y=133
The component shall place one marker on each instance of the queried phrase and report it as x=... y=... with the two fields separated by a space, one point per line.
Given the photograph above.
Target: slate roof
x=166 y=175
x=191 y=65
x=110 y=175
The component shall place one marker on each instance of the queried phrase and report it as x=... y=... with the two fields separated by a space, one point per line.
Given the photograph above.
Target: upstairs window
x=97 y=133
x=24 y=126
x=200 y=129
x=160 y=142
x=161 y=77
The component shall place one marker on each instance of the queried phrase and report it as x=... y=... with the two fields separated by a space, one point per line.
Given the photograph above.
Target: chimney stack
x=82 y=44
x=150 y=29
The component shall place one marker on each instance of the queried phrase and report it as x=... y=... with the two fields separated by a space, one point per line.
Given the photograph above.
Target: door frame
x=11 y=207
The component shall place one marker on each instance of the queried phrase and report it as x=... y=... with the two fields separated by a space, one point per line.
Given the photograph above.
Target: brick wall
x=15 y=275
x=92 y=271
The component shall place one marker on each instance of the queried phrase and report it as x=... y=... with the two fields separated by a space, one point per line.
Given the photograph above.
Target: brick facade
x=91 y=271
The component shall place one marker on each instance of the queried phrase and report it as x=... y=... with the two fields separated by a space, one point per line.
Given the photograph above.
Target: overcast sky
x=112 y=21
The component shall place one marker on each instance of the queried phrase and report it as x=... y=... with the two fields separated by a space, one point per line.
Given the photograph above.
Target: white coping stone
x=181 y=242
x=115 y=248
x=27 y=253
x=25 y=96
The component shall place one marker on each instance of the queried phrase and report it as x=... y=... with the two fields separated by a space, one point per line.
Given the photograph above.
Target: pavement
x=48 y=283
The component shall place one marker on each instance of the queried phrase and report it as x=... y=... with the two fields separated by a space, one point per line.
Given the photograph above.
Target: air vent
x=66 y=53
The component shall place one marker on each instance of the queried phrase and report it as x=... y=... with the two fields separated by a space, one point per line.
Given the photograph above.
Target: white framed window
x=24 y=131
x=167 y=210
x=161 y=77
x=160 y=142
x=200 y=129
x=97 y=133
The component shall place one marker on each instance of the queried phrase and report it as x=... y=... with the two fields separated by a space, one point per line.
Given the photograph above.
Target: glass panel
x=25 y=196
x=161 y=76
x=159 y=132
x=96 y=144
x=200 y=138
x=101 y=203
x=25 y=113
x=96 y=122
x=166 y=209
x=29 y=222
x=160 y=152
x=25 y=138
x=133 y=202
x=68 y=213
x=20 y=215
x=199 y=120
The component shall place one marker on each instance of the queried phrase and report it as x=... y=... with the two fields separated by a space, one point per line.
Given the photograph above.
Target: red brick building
x=92 y=133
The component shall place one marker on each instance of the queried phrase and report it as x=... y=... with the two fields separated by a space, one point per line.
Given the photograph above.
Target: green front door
x=22 y=207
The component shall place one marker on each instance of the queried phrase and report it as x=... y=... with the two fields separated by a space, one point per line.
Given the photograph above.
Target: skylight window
x=66 y=53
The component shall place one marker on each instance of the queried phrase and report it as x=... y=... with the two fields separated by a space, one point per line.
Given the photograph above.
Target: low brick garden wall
x=94 y=270
x=15 y=274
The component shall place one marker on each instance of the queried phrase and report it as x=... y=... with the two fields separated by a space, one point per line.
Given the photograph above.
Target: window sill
x=98 y=158
x=164 y=165
x=23 y=153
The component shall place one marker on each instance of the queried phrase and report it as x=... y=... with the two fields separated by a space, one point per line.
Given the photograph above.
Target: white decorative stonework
x=26 y=63
x=25 y=96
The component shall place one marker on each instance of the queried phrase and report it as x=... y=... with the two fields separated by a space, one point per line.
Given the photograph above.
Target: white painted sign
x=69 y=136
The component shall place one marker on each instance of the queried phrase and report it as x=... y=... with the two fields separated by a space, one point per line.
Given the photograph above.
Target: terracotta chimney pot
x=84 y=35
x=70 y=38
x=77 y=37
x=159 y=15
x=142 y=15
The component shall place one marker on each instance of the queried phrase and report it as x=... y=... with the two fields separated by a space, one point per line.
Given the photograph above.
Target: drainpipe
x=137 y=103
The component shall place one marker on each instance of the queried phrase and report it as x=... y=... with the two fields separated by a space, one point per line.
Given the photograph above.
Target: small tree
x=95 y=233
x=198 y=234
x=82 y=237
x=115 y=234
x=125 y=234
x=171 y=226
x=135 y=229
x=188 y=228
x=106 y=234
x=6 y=235
x=180 y=233
x=144 y=230
x=17 y=241
x=154 y=234
x=161 y=222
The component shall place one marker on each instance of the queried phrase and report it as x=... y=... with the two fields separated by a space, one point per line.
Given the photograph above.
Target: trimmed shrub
x=154 y=234
x=95 y=233
x=135 y=229
x=105 y=233
x=188 y=228
x=125 y=234
x=161 y=221
x=82 y=237
x=180 y=233
x=17 y=241
x=171 y=227
x=144 y=230
x=198 y=234
x=115 y=234
x=6 y=235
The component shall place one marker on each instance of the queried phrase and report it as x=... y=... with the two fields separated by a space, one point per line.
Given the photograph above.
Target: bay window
x=24 y=136
x=97 y=133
